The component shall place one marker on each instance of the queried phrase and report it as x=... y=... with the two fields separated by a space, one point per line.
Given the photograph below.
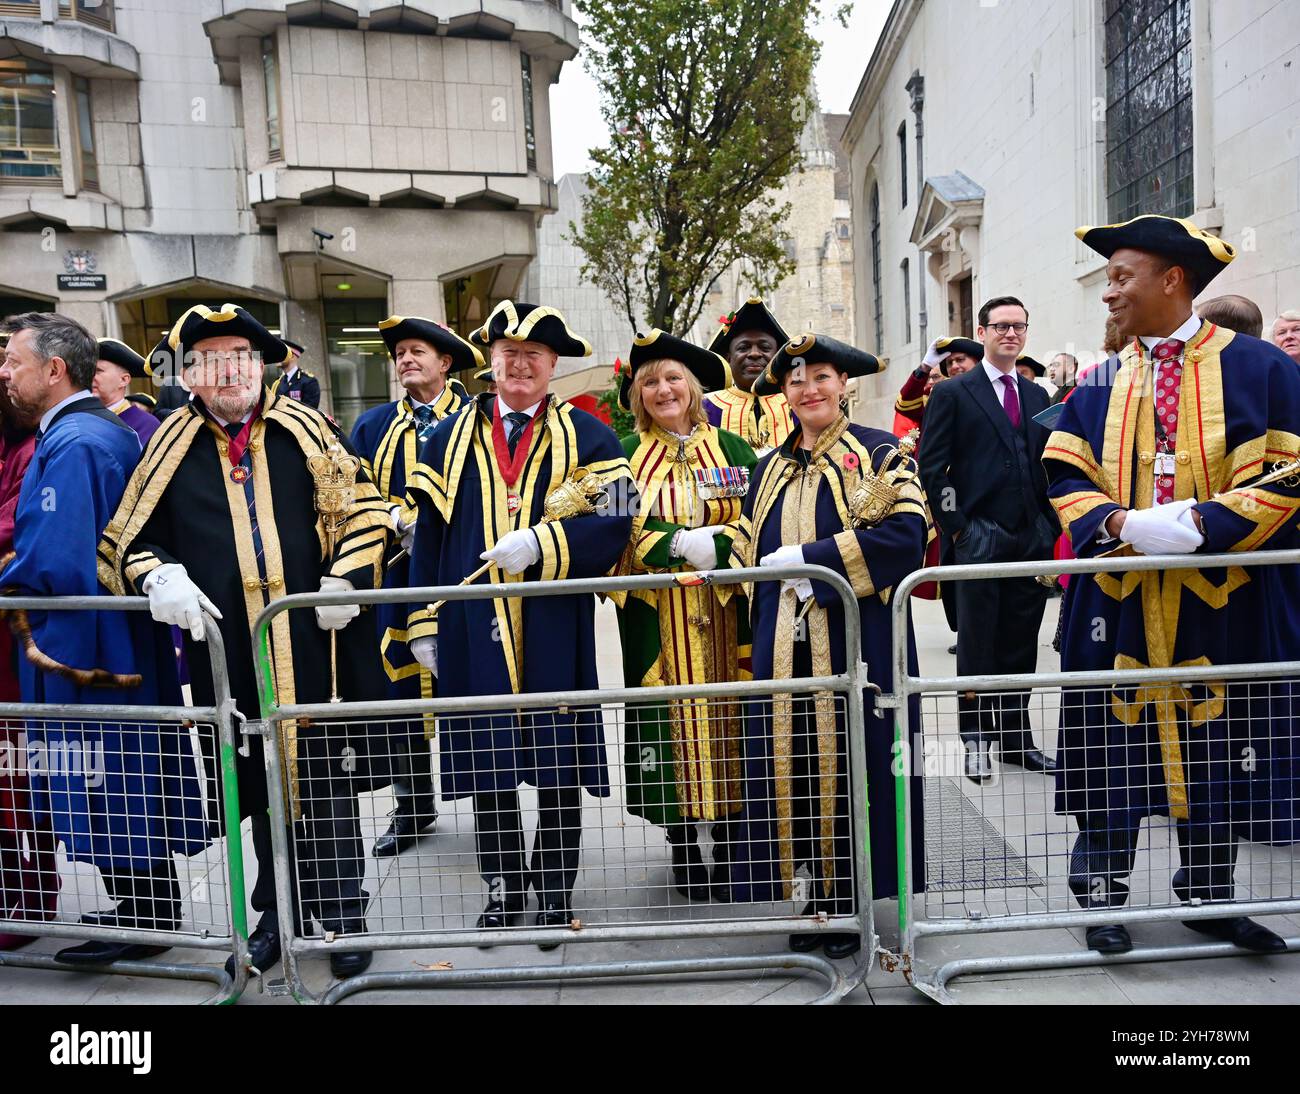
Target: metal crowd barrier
x=998 y=854
x=82 y=740
x=428 y=897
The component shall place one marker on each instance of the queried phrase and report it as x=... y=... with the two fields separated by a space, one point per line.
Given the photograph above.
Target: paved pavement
x=1009 y=829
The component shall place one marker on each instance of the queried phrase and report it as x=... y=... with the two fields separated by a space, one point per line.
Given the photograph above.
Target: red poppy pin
x=850 y=461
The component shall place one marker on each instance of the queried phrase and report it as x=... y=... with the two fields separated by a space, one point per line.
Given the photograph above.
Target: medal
x=512 y=503
x=239 y=473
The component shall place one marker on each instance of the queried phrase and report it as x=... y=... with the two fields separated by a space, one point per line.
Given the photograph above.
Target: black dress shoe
x=90 y=954
x=553 y=914
x=690 y=875
x=343 y=965
x=837 y=946
x=1109 y=939
x=497 y=915
x=1240 y=931
x=979 y=768
x=263 y=951
x=1031 y=759
x=806 y=943
x=952 y=650
x=403 y=832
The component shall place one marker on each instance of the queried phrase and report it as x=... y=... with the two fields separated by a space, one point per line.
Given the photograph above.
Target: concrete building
x=981 y=135
x=325 y=164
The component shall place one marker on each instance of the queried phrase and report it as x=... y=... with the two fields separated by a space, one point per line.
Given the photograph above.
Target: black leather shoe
x=403 y=832
x=1031 y=759
x=806 y=943
x=91 y=954
x=952 y=650
x=497 y=915
x=263 y=951
x=1112 y=938
x=553 y=914
x=690 y=875
x=343 y=965
x=979 y=768
x=1240 y=931
x=837 y=946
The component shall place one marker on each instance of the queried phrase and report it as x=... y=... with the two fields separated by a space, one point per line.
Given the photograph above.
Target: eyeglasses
x=1002 y=328
x=217 y=360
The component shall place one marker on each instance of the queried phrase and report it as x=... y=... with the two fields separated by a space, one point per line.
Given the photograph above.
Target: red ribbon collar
x=511 y=467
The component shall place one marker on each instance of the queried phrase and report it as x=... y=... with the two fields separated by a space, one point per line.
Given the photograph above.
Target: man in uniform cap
x=117 y=366
x=220 y=515
x=295 y=381
x=390 y=438
x=748 y=340
x=481 y=489
x=1156 y=454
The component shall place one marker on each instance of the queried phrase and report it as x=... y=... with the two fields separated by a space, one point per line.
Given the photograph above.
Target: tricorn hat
x=657 y=345
x=949 y=346
x=1039 y=368
x=397 y=328
x=753 y=314
x=816 y=349
x=201 y=322
x=1203 y=255
x=122 y=355
x=531 y=323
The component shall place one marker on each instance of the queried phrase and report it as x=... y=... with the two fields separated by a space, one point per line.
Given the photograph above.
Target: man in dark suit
x=296 y=382
x=981 y=466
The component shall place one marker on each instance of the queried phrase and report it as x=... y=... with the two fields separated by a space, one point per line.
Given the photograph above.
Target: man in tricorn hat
x=1156 y=453
x=482 y=489
x=390 y=438
x=220 y=515
x=748 y=340
x=117 y=366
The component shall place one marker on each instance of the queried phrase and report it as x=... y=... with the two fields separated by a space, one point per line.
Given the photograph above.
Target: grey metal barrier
x=97 y=765
x=998 y=852
x=621 y=868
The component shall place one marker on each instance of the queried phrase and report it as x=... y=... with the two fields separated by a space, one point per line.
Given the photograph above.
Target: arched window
x=877 y=308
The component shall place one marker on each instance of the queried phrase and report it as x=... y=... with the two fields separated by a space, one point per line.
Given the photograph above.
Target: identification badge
x=721 y=482
x=239 y=473
x=1165 y=464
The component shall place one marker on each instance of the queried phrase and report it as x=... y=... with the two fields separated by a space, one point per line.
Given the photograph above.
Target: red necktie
x=1010 y=402
x=1167 y=388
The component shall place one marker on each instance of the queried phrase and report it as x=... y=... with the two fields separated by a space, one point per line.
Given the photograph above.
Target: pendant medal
x=238 y=473
x=512 y=502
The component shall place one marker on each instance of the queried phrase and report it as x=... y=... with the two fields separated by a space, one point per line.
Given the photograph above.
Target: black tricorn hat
x=140 y=398
x=531 y=323
x=968 y=346
x=484 y=374
x=1039 y=368
x=297 y=348
x=816 y=349
x=1203 y=255
x=753 y=314
x=201 y=322
x=657 y=345
x=397 y=328
x=122 y=355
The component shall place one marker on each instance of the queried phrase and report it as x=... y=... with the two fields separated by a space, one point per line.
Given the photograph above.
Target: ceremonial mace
x=874 y=493
x=576 y=496
x=1283 y=470
x=334 y=473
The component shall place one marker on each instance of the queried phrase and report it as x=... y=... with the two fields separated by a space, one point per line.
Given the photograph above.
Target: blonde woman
x=682 y=759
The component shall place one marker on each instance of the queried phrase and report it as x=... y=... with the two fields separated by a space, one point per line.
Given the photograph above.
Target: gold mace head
x=334 y=473
x=576 y=496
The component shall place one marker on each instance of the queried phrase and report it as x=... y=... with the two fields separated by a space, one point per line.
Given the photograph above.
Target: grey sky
x=575 y=116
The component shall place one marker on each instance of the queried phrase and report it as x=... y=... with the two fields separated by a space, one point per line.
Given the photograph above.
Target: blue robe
x=1135 y=752
x=385 y=437
x=503 y=647
x=109 y=809
x=874 y=559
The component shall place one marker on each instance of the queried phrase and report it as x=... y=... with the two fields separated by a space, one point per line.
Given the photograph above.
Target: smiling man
x=390 y=438
x=481 y=488
x=747 y=341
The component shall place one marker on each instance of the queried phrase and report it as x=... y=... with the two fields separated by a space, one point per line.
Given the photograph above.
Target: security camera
x=321 y=237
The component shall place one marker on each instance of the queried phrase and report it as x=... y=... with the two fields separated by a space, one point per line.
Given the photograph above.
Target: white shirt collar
x=48 y=416
x=291 y=374
x=120 y=406
x=995 y=374
x=529 y=410
x=1185 y=333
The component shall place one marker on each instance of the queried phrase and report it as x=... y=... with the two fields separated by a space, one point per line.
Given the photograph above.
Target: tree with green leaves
x=705 y=101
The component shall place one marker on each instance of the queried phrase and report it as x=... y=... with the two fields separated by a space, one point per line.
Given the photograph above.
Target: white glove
x=515 y=551
x=790 y=555
x=802 y=588
x=934 y=356
x=176 y=600
x=405 y=532
x=334 y=617
x=696 y=546
x=1160 y=531
x=425 y=651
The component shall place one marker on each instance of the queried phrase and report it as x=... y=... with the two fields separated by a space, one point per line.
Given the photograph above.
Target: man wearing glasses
x=981 y=466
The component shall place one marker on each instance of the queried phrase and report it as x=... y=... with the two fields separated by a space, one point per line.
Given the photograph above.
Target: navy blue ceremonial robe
x=385 y=437
x=787 y=505
x=510 y=646
x=119 y=795
x=1216 y=758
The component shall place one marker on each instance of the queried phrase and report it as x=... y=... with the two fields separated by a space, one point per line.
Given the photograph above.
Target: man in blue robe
x=1156 y=453
x=482 y=488
x=388 y=438
x=134 y=798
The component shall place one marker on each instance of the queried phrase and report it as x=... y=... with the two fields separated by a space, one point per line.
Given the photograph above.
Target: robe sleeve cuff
x=555 y=550
x=421 y=624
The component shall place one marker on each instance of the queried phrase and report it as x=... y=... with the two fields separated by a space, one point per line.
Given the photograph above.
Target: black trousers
x=553 y=865
x=997 y=633
x=412 y=768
